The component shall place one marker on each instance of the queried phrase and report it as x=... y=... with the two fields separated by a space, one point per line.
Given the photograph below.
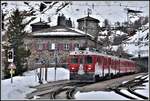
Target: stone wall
x=48 y=55
x=92 y=27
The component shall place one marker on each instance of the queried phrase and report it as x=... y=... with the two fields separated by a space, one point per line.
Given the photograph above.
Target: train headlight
x=89 y=68
x=72 y=68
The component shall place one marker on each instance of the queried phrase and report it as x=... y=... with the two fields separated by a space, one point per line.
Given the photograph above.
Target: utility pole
x=46 y=72
x=55 y=63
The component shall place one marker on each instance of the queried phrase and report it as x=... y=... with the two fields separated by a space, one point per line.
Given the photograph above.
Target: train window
x=88 y=59
x=74 y=59
x=81 y=60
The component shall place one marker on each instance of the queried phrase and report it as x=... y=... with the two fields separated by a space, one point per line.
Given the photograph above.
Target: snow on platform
x=99 y=95
x=21 y=84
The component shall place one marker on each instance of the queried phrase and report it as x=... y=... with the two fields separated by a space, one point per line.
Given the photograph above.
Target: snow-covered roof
x=39 y=23
x=57 y=34
x=88 y=18
x=77 y=30
x=60 y=31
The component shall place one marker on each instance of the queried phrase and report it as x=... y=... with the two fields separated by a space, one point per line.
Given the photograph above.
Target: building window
x=66 y=46
x=77 y=45
x=51 y=46
x=39 y=46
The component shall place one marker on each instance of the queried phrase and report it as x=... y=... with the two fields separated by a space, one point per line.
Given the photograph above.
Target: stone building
x=56 y=41
x=88 y=24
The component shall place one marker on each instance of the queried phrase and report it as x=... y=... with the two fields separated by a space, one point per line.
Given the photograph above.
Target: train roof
x=87 y=52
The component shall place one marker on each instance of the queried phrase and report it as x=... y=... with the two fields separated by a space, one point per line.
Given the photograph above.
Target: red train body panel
x=86 y=65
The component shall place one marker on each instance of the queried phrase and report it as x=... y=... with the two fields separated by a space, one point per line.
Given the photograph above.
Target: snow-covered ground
x=98 y=95
x=21 y=84
x=144 y=91
x=103 y=95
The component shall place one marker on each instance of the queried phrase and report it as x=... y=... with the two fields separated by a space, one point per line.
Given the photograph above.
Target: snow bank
x=124 y=82
x=61 y=74
x=18 y=89
x=99 y=95
x=21 y=84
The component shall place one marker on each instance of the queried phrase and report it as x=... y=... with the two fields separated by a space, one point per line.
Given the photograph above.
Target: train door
x=102 y=64
x=113 y=66
x=116 y=66
x=100 y=61
x=98 y=70
x=110 y=70
x=105 y=66
x=119 y=66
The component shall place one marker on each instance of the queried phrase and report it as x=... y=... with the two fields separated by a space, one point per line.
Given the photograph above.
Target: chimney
x=61 y=20
x=69 y=23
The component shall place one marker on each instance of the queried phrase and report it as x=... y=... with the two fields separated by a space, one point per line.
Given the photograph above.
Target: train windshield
x=74 y=59
x=88 y=59
x=81 y=60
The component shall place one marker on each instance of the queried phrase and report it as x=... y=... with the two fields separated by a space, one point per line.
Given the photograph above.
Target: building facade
x=88 y=24
x=55 y=42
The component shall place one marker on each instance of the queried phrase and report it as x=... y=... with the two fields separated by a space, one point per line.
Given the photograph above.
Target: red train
x=86 y=66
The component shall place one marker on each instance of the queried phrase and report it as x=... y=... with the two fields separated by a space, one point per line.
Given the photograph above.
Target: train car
x=86 y=65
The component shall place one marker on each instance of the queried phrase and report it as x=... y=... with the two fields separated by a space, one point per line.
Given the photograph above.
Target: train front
x=81 y=66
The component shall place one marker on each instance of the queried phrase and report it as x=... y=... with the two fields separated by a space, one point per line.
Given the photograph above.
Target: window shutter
x=46 y=45
x=62 y=46
x=73 y=46
x=49 y=46
x=43 y=46
x=70 y=47
x=56 y=46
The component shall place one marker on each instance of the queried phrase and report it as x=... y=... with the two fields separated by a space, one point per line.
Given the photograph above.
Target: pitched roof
x=60 y=31
x=88 y=18
x=39 y=23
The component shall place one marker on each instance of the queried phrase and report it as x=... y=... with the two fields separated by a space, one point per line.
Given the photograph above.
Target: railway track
x=55 y=90
x=63 y=93
x=47 y=88
x=129 y=87
x=66 y=89
x=66 y=92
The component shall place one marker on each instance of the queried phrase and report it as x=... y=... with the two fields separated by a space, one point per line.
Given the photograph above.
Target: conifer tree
x=16 y=34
